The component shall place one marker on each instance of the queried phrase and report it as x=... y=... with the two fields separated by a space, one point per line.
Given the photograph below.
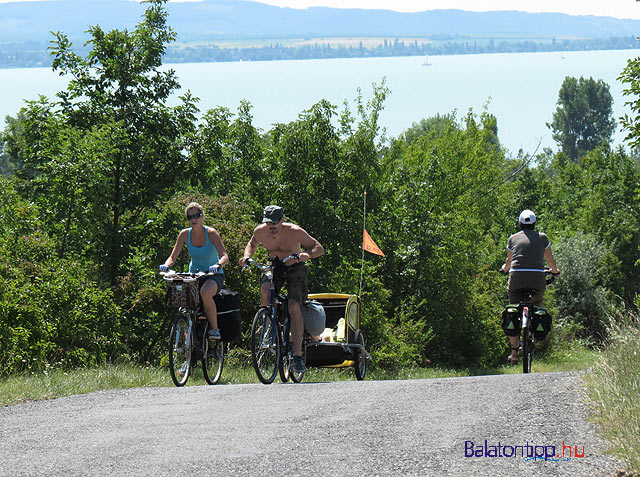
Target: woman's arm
x=548 y=256
x=507 y=263
x=216 y=240
x=177 y=248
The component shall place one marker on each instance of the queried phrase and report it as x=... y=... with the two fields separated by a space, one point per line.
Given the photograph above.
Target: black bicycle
x=526 y=310
x=271 y=347
x=188 y=342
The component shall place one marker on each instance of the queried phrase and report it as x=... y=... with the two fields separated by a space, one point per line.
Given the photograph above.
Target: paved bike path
x=381 y=428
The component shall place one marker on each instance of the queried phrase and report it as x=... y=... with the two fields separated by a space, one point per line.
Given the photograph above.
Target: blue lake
x=520 y=89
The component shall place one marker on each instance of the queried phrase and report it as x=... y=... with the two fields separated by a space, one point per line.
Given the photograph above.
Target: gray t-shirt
x=527 y=248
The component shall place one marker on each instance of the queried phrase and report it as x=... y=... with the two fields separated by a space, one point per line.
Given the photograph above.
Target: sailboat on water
x=426 y=61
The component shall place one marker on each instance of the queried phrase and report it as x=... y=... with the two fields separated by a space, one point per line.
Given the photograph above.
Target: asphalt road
x=370 y=428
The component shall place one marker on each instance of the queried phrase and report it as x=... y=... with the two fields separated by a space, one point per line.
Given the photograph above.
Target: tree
x=111 y=123
x=630 y=76
x=584 y=117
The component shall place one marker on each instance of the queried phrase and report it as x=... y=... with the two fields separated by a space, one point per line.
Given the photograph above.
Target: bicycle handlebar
x=265 y=267
x=171 y=274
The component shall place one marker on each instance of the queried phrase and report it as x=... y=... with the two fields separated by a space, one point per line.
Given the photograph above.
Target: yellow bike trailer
x=346 y=347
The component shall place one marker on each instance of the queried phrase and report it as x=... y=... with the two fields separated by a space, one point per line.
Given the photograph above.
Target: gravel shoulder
x=415 y=427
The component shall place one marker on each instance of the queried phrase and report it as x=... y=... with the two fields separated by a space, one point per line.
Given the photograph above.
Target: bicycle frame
x=280 y=324
x=528 y=340
x=195 y=348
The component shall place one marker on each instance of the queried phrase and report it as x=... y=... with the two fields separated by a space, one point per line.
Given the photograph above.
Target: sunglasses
x=197 y=215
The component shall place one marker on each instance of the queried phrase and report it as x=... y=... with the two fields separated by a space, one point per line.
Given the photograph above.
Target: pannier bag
x=229 y=316
x=511 y=321
x=314 y=318
x=540 y=323
x=183 y=293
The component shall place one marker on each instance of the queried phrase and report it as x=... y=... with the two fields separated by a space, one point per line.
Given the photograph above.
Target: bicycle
x=526 y=309
x=188 y=342
x=271 y=348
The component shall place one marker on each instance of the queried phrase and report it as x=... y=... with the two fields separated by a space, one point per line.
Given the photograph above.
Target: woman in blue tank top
x=207 y=255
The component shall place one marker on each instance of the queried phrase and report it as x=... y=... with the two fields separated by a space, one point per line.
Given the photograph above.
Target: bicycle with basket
x=188 y=342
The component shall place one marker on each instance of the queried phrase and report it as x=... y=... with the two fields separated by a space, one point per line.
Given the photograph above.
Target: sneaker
x=298 y=364
x=214 y=334
x=183 y=370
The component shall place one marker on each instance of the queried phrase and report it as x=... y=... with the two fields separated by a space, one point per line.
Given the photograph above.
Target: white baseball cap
x=527 y=217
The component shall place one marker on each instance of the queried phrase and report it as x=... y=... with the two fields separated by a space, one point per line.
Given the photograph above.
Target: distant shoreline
x=29 y=55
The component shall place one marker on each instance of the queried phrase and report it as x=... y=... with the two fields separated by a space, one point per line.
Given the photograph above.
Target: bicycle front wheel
x=180 y=350
x=265 y=346
x=212 y=363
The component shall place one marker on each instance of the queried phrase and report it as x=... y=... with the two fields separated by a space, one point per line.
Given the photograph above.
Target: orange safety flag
x=369 y=245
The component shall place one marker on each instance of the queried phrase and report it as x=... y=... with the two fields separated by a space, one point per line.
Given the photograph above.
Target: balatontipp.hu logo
x=528 y=451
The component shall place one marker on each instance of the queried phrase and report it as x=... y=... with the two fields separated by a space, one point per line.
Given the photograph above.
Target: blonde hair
x=193 y=205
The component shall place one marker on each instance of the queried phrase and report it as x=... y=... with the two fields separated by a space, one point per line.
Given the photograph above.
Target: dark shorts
x=296 y=280
x=218 y=278
x=520 y=280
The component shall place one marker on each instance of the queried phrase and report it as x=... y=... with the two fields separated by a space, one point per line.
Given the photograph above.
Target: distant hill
x=226 y=19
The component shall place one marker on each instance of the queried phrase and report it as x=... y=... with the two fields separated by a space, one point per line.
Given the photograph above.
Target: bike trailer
x=342 y=322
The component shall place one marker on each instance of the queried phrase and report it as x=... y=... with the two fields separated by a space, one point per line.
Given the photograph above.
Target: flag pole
x=364 y=226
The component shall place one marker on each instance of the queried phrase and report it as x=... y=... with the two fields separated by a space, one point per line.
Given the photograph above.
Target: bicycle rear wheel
x=527 y=352
x=527 y=349
x=180 y=350
x=265 y=346
x=213 y=362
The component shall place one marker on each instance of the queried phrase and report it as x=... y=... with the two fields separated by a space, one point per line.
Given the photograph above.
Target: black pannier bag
x=511 y=324
x=229 y=316
x=183 y=293
x=540 y=323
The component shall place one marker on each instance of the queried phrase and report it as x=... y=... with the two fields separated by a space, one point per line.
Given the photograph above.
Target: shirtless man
x=282 y=239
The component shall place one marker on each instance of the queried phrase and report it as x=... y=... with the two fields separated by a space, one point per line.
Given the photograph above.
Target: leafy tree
x=227 y=155
x=112 y=115
x=584 y=117
x=445 y=214
x=631 y=76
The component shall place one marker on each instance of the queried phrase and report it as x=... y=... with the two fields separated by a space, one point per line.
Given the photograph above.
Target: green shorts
x=296 y=280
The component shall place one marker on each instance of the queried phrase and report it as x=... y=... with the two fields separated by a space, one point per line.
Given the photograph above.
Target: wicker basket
x=183 y=293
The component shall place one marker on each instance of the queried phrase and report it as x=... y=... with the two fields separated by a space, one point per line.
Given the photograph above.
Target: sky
x=611 y=8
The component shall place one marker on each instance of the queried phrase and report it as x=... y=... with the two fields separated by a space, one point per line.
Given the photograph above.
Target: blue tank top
x=202 y=257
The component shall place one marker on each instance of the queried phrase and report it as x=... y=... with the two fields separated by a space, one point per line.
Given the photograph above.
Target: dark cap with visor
x=272 y=214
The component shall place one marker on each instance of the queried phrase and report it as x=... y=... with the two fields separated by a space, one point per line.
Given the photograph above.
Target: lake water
x=520 y=89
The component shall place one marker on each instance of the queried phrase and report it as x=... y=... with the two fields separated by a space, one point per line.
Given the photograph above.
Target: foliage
x=441 y=203
x=579 y=297
x=612 y=387
x=97 y=183
x=110 y=141
x=583 y=119
x=51 y=310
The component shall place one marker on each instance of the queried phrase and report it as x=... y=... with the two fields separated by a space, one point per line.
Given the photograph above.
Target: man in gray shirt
x=526 y=252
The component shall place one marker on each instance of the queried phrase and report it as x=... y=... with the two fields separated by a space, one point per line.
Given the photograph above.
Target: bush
x=579 y=297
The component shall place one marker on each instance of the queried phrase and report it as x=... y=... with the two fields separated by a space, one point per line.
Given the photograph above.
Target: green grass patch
x=55 y=383
x=614 y=389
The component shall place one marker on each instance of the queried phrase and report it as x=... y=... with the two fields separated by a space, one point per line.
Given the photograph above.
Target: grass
x=55 y=383
x=614 y=389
